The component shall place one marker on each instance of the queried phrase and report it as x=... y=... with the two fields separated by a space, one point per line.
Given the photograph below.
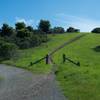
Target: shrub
x=7 y=50
x=23 y=33
x=97 y=48
x=58 y=30
x=6 y=30
x=96 y=30
x=71 y=30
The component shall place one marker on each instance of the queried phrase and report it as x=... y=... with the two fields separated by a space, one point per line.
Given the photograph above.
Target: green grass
x=1 y=78
x=77 y=83
x=33 y=54
x=80 y=83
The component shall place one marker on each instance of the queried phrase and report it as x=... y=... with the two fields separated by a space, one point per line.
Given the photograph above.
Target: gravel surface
x=19 y=84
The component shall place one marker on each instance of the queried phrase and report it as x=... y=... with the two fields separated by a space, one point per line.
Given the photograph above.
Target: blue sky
x=82 y=14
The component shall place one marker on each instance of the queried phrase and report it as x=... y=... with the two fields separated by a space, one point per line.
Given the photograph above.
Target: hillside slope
x=77 y=83
x=30 y=55
x=80 y=83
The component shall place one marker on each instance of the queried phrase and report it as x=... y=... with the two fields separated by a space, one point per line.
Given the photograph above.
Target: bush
x=57 y=30
x=23 y=33
x=7 y=50
x=6 y=30
x=71 y=30
x=96 y=30
x=97 y=48
x=22 y=36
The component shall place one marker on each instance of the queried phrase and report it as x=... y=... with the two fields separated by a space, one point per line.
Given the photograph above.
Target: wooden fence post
x=31 y=63
x=64 y=58
x=78 y=63
x=47 y=59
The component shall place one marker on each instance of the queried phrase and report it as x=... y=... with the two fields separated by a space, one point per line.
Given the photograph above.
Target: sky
x=81 y=14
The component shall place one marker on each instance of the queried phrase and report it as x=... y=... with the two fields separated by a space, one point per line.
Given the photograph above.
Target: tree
x=71 y=30
x=23 y=33
x=20 y=25
x=30 y=28
x=96 y=30
x=24 y=36
x=44 y=26
x=6 y=30
x=58 y=30
x=77 y=30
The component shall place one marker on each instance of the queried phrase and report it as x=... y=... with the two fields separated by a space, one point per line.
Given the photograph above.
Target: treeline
x=23 y=36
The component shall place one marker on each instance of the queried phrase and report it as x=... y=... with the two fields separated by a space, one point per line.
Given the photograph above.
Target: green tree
x=96 y=30
x=23 y=33
x=44 y=26
x=30 y=28
x=58 y=30
x=71 y=30
x=20 y=25
x=6 y=30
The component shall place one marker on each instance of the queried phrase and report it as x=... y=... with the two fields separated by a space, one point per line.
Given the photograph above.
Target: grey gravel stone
x=19 y=84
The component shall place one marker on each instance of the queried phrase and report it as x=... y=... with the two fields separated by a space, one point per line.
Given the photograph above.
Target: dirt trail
x=66 y=43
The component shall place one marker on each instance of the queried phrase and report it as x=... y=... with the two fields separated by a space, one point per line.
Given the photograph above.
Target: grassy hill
x=30 y=55
x=80 y=83
x=77 y=83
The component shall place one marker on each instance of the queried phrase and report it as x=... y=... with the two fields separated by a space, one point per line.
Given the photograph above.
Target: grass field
x=33 y=54
x=77 y=83
x=80 y=83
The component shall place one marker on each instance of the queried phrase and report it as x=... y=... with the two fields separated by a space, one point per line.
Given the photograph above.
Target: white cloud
x=27 y=22
x=84 y=24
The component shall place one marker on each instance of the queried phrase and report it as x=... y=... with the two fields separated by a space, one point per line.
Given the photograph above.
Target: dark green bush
x=71 y=30
x=7 y=50
x=23 y=36
x=23 y=33
x=96 y=30
x=97 y=48
x=57 y=30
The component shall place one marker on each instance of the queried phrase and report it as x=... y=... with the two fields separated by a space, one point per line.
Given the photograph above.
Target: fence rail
x=46 y=58
x=66 y=58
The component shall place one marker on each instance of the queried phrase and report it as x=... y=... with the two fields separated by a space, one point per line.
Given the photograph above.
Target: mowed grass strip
x=80 y=83
x=30 y=55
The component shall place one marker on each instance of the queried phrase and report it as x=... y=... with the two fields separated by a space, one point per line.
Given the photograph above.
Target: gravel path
x=19 y=84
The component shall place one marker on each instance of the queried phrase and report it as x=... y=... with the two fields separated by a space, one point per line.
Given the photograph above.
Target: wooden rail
x=65 y=58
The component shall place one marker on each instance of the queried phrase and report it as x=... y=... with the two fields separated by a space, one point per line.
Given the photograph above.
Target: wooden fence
x=66 y=58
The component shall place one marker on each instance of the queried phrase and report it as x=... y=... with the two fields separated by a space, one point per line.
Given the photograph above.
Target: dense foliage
x=97 y=48
x=71 y=30
x=44 y=26
x=22 y=36
x=96 y=30
x=57 y=30
x=7 y=50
